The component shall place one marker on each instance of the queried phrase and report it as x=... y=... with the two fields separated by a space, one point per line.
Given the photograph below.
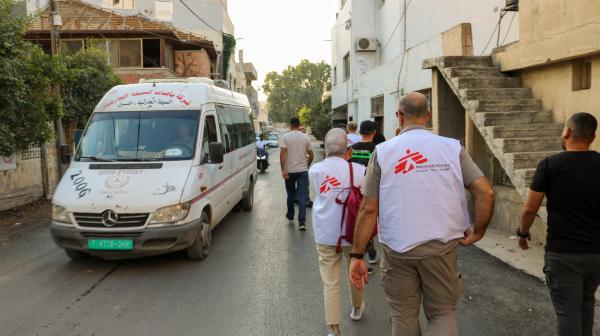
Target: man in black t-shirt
x=571 y=183
x=361 y=154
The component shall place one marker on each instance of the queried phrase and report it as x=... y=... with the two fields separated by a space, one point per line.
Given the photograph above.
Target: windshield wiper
x=95 y=158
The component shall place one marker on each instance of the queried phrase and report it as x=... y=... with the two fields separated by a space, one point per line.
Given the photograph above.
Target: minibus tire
x=76 y=255
x=248 y=202
x=199 y=250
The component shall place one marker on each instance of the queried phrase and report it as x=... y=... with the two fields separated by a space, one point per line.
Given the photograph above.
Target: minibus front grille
x=94 y=220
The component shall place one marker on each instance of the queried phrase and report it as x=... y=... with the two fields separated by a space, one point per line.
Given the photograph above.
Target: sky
x=278 y=33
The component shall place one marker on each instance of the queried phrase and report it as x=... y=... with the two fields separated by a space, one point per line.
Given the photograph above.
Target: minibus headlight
x=171 y=214
x=60 y=214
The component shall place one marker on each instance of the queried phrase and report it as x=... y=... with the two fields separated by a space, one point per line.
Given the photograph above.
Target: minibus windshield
x=140 y=136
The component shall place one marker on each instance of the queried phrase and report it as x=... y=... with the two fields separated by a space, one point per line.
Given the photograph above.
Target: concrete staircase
x=514 y=125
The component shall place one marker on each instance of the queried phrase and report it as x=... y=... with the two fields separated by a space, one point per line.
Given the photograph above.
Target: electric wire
x=198 y=16
x=509 y=27
x=396 y=27
x=491 y=37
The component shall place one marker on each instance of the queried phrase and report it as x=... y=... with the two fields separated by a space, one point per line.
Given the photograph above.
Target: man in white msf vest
x=415 y=183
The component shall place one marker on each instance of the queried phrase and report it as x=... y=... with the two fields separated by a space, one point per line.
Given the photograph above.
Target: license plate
x=110 y=244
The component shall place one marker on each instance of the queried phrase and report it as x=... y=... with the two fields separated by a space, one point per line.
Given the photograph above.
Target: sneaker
x=302 y=227
x=372 y=257
x=370 y=270
x=357 y=313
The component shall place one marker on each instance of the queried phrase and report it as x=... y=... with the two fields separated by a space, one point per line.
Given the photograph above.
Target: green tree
x=305 y=115
x=27 y=105
x=320 y=121
x=85 y=76
x=296 y=87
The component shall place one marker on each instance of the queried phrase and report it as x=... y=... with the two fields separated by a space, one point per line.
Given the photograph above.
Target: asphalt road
x=261 y=278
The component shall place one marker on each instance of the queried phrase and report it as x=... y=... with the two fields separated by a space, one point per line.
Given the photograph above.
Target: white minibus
x=159 y=165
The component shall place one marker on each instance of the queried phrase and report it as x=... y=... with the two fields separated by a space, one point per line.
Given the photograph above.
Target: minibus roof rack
x=178 y=80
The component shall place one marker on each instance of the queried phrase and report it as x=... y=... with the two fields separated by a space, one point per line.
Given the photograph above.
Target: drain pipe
x=404 y=14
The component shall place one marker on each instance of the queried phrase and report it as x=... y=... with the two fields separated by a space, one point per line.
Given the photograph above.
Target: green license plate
x=110 y=244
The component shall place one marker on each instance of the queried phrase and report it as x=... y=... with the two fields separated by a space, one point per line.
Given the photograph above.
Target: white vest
x=422 y=196
x=328 y=178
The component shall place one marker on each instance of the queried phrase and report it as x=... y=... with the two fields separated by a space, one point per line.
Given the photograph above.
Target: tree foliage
x=296 y=87
x=28 y=101
x=84 y=78
x=26 y=76
x=320 y=121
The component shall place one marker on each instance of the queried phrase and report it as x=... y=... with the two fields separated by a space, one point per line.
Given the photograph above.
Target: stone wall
x=24 y=184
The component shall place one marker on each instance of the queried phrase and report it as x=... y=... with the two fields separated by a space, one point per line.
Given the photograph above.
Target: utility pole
x=55 y=23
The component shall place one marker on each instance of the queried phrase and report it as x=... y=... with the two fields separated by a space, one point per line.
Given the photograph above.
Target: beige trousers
x=330 y=267
x=433 y=281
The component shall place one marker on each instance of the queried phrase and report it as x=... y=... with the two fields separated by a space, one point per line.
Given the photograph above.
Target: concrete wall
x=552 y=84
x=192 y=63
x=24 y=184
x=552 y=31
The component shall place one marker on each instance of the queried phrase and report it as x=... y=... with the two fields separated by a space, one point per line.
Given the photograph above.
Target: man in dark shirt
x=571 y=183
x=362 y=150
x=361 y=154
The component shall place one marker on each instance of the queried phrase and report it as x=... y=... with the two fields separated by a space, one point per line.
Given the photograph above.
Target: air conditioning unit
x=366 y=44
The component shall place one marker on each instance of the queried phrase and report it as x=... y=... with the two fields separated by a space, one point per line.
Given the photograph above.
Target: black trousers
x=573 y=280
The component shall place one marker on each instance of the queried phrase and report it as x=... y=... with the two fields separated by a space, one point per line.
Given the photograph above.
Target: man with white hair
x=331 y=179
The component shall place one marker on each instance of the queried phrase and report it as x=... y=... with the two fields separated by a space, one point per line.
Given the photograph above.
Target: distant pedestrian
x=361 y=154
x=415 y=185
x=331 y=177
x=378 y=138
x=571 y=183
x=352 y=136
x=296 y=155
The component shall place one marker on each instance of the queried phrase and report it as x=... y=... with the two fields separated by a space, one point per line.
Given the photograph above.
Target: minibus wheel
x=199 y=250
x=248 y=202
x=76 y=255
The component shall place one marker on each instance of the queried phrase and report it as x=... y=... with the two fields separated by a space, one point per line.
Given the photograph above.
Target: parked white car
x=158 y=167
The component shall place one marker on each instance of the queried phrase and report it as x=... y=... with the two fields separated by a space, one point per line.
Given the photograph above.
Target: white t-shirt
x=297 y=145
x=353 y=138
x=261 y=143
x=328 y=178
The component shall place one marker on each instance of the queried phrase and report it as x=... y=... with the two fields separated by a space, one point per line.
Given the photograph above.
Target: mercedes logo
x=109 y=218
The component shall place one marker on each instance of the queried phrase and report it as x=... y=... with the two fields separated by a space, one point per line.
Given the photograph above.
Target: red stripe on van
x=208 y=191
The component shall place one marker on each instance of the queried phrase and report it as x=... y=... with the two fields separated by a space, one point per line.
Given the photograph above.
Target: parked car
x=273 y=140
x=159 y=166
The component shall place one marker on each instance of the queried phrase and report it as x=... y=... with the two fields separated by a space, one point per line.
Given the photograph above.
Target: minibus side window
x=208 y=135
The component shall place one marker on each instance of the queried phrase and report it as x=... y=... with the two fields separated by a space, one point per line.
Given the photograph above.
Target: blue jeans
x=297 y=183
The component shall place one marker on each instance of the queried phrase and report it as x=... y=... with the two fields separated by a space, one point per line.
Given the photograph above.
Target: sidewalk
x=17 y=222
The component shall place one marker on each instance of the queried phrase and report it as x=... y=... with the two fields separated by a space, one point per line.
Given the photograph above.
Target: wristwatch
x=357 y=255
x=522 y=235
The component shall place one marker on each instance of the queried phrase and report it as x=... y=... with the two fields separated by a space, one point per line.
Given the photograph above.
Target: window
x=71 y=46
x=347 y=66
x=582 y=74
x=122 y=4
x=140 y=136
x=151 y=52
x=208 y=135
x=236 y=128
x=130 y=53
x=163 y=10
x=334 y=76
x=377 y=106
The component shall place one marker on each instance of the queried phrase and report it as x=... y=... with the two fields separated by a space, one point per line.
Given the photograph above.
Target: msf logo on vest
x=407 y=163
x=330 y=182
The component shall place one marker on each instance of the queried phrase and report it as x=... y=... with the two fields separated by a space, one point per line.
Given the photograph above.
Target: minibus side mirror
x=215 y=150
x=65 y=155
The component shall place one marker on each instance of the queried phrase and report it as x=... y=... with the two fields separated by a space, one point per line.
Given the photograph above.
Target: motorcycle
x=262 y=159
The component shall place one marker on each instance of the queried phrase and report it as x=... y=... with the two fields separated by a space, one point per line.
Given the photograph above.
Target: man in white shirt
x=414 y=189
x=330 y=178
x=296 y=155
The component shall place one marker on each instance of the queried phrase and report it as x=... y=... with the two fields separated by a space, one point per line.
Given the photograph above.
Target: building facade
x=378 y=48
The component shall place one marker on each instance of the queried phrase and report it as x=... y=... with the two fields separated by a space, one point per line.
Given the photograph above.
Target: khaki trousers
x=330 y=267
x=434 y=282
